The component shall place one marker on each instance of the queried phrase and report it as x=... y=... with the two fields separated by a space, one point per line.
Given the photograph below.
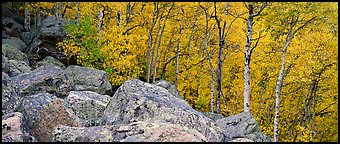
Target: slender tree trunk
x=128 y=11
x=150 y=42
x=57 y=9
x=159 y=43
x=177 y=55
x=219 y=70
x=100 y=18
x=279 y=84
x=61 y=9
x=154 y=65
x=27 y=17
x=247 y=54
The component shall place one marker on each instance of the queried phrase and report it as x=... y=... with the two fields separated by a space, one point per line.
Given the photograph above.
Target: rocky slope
x=44 y=100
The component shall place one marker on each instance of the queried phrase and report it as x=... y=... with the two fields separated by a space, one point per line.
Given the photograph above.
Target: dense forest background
x=266 y=58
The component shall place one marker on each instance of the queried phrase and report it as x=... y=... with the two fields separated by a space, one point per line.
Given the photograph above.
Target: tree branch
x=264 y=5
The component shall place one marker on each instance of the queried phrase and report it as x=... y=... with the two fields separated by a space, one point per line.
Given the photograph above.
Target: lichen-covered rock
x=16 y=43
x=18 y=67
x=259 y=137
x=170 y=87
x=43 y=79
x=237 y=126
x=33 y=104
x=5 y=77
x=139 y=101
x=14 y=128
x=160 y=132
x=5 y=64
x=28 y=37
x=14 y=25
x=9 y=98
x=13 y=53
x=241 y=140
x=51 y=61
x=50 y=116
x=52 y=27
x=213 y=116
x=88 y=79
x=63 y=133
x=134 y=132
x=87 y=105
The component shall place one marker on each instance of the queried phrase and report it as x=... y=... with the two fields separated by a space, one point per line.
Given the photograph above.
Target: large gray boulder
x=14 y=25
x=5 y=64
x=10 y=101
x=14 y=128
x=213 y=116
x=134 y=132
x=28 y=37
x=139 y=101
x=13 y=53
x=7 y=11
x=31 y=106
x=87 y=105
x=88 y=79
x=18 y=67
x=50 y=116
x=170 y=87
x=43 y=79
x=51 y=61
x=52 y=27
x=16 y=43
x=242 y=125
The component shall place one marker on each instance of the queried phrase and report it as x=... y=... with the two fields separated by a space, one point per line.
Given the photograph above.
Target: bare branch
x=264 y=5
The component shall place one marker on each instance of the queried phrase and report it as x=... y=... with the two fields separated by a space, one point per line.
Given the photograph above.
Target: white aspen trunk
x=56 y=9
x=177 y=55
x=150 y=42
x=279 y=85
x=61 y=9
x=155 y=47
x=27 y=17
x=128 y=11
x=100 y=18
x=246 y=74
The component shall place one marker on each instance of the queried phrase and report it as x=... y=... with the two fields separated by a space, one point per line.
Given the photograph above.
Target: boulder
x=16 y=43
x=5 y=35
x=13 y=53
x=31 y=105
x=170 y=87
x=52 y=27
x=242 y=125
x=10 y=101
x=241 y=140
x=12 y=24
x=43 y=79
x=213 y=116
x=5 y=77
x=14 y=128
x=134 y=132
x=50 y=116
x=28 y=37
x=5 y=64
x=139 y=101
x=87 y=105
x=18 y=67
x=88 y=79
x=259 y=137
x=51 y=61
